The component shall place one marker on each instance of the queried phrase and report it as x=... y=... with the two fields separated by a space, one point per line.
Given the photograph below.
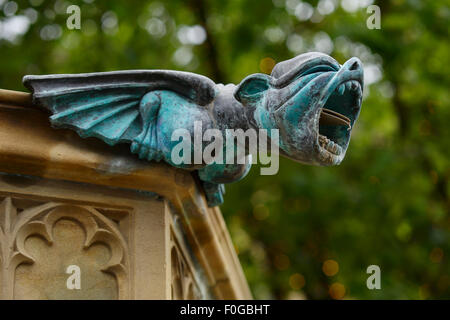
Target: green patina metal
x=311 y=99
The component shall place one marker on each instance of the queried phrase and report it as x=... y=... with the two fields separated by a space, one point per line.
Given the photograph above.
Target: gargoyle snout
x=354 y=66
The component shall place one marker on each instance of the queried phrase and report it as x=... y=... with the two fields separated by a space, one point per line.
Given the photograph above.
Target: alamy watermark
x=374 y=20
x=374 y=280
x=74 y=280
x=74 y=20
x=235 y=147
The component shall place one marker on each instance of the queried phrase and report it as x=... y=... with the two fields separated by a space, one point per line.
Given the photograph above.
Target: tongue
x=330 y=117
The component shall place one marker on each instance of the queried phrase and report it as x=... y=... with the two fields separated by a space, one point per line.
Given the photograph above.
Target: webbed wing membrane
x=106 y=104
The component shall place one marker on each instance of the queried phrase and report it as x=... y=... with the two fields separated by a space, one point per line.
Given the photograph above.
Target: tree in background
x=307 y=232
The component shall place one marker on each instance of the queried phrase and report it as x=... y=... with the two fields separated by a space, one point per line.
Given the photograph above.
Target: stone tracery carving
x=41 y=221
x=184 y=285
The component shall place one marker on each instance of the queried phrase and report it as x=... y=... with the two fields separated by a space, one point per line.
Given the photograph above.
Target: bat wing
x=105 y=105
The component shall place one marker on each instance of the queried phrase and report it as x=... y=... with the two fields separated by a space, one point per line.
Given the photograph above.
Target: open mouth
x=337 y=116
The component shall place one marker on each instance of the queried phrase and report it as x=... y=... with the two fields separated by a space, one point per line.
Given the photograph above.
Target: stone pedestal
x=82 y=220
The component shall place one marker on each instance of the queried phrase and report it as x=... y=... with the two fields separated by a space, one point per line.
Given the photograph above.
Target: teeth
x=329 y=145
x=350 y=85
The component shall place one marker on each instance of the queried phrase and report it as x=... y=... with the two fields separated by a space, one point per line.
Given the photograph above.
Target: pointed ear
x=252 y=87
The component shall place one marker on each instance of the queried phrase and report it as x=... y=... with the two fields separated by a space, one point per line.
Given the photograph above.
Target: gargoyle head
x=312 y=100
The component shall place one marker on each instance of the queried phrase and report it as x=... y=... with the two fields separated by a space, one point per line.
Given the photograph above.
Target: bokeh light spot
x=337 y=291
x=330 y=267
x=282 y=262
x=297 y=281
x=266 y=65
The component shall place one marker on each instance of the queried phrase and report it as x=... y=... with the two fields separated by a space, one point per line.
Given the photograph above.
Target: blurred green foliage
x=387 y=204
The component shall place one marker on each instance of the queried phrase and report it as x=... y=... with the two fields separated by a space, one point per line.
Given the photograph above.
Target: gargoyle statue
x=311 y=99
